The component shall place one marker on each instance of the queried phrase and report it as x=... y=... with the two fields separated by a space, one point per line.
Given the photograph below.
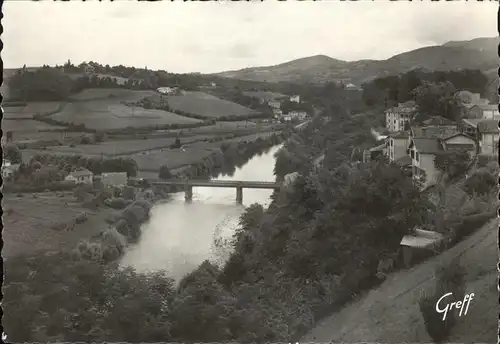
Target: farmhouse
x=352 y=87
x=114 y=179
x=9 y=169
x=170 y=91
x=300 y=115
x=81 y=176
x=484 y=111
x=295 y=98
x=275 y=104
x=397 y=117
x=488 y=137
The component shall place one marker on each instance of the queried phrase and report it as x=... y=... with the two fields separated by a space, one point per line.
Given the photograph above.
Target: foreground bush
x=449 y=278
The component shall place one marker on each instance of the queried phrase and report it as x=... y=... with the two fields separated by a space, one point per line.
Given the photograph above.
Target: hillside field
x=109 y=114
x=390 y=313
x=203 y=104
x=264 y=95
x=31 y=109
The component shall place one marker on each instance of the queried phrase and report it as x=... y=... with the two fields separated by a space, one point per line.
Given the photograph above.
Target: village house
x=275 y=104
x=397 y=117
x=423 y=150
x=422 y=153
x=117 y=179
x=169 y=91
x=484 y=111
x=352 y=87
x=8 y=169
x=300 y=115
x=87 y=69
x=488 y=137
x=80 y=176
x=277 y=113
x=374 y=152
x=469 y=126
x=295 y=98
x=397 y=145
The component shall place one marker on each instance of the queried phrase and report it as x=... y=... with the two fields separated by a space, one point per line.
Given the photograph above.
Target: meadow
x=203 y=104
x=27 y=125
x=31 y=109
x=151 y=161
x=109 y=114
x=29 y=221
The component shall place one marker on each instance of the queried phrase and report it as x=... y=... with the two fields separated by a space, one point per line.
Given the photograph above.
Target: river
x=179 y=236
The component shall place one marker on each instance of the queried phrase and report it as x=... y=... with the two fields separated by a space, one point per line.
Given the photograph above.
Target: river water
x=180 y=236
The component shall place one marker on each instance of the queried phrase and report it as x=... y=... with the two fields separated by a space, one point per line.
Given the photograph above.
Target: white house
x=352 y=87
x=460 y=141
x=114 y=179
x=275 y=104
x=295 y=98
x=170 y=91
x=300 y=115
x=397 y=117
x=422 y=153
x=488 y=137
x=81 y=176
x=9 y=169
x=397 y=145
x=277 y=113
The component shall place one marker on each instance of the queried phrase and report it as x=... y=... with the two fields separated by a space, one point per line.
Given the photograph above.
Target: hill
x=391 y=313
x=478 y=53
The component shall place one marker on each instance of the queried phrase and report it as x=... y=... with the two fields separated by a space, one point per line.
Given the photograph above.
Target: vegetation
x=12 y=153
x=449 y=278
x=390 y=90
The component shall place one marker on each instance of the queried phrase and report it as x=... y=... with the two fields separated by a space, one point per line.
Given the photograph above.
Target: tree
x=41 y=85
x=437 y=99
x=165 y=173
x=480 y=183
x=12 y=153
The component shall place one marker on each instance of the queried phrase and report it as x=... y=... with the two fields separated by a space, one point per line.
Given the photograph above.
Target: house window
x=417 y=156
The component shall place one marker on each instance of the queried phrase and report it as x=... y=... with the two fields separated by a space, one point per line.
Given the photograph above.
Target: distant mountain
x=479 y=53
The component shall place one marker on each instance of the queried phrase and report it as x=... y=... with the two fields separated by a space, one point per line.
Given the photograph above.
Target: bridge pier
x=239 y=195
x=188 y=193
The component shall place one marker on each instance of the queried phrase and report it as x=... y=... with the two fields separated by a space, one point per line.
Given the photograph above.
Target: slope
x=478 y=53
x=390 y=313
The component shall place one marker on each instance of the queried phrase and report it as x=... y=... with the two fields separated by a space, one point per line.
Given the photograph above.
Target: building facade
x=397 y=145
x=397 y=117
x=488 y=137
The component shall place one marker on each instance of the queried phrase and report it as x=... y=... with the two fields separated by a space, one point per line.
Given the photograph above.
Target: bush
x=470 y=224
x=450 y=277
x=116 y=203
x=81 y=218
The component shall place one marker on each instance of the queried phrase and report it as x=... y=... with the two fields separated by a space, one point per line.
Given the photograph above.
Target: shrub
x=116 y=203
x=471 y=223
x=450 y=277
x=81 y=218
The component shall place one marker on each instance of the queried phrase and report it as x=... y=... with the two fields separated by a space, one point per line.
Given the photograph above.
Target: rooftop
x=427 y=145
x=81 y=173
x=438 y=120
x=403 y=161
x=434 y=131
x=487 y=106
x=399 y=135
x=472 y=121
x=421 y=239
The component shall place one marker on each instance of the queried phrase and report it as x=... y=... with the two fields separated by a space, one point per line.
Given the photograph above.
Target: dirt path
x=390 y=313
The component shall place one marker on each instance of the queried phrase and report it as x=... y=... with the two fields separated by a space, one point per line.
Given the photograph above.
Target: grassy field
x=28 y=227
x=28 y=111
x=26 y=125
x=112 y=148
x=391 y=313
x=207 y=105
x=118 y=94
x=174 y=158
x=110 y=114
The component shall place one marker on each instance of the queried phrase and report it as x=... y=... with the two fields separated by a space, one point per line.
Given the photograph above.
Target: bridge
x=188 y=184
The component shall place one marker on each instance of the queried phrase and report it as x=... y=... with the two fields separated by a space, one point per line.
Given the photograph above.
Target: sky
x=207 y=37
